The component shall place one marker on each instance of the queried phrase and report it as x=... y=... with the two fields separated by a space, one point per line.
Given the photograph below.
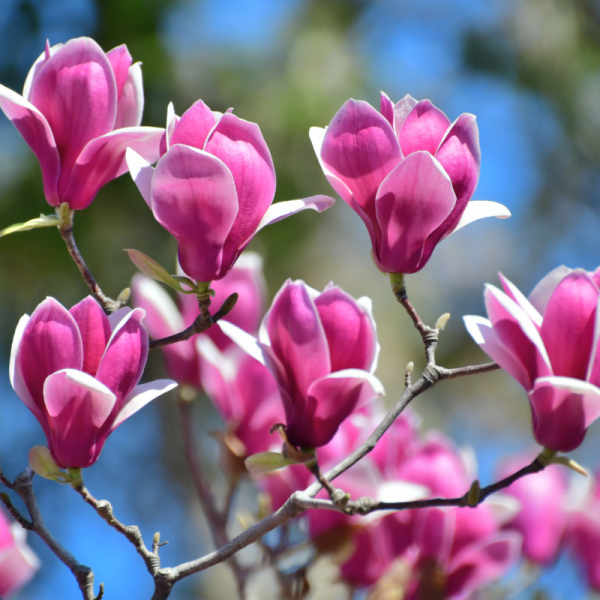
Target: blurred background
x=529 y=70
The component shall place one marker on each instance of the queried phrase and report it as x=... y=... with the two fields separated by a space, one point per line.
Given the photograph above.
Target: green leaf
x=186 y=281
x=41 y=461
x=264 y=462
x=152 y=269
x=41 y=221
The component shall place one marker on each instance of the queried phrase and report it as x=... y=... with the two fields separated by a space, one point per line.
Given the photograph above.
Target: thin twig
x=131 y=532
x=470 y=370
x=23 y=486
x=66 y=231
x=217 y=521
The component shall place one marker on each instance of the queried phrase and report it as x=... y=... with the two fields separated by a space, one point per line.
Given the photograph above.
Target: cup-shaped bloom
x=213 y=188
x=322 y=349
x=549 y=345
x=164 y=318
x=80 y=110
x=18 y=563
x=542 y=518
x=408 y=172
x=78 y=371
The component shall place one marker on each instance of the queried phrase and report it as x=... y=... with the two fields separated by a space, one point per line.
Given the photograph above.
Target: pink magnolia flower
x=542 y=517
x=322 y=350
x=163 y=318
x=77 y=371
x=549 y=345
x=18 y=563
x=80 y=110
x=213 y=188
x=408 y=172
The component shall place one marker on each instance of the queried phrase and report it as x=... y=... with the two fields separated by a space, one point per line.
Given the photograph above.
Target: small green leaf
x=264 y=462
x=186 y=281
x=41 y=221
x=152 y=269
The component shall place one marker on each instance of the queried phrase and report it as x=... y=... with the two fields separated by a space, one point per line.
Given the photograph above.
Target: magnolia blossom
x=18 y=563
x=548 y=343
x=408 y=172
x=163 y=318
x=80 y=110
x=77 y=371
x=322 y=350
x=213 y=188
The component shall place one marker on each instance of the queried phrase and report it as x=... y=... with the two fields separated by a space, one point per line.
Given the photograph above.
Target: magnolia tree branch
x=217 y=520
x=23 y=487
x=65 y=228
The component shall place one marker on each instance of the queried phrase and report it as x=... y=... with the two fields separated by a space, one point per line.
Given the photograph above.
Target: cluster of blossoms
x=305 y=368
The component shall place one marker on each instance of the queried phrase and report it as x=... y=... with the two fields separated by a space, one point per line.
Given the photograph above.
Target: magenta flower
x=549 y=345
x=18 y=563
x=213 y=189
x=163 y=318
x=408 y=172
x=322 y=350
x=77 y=371
x=80 y=110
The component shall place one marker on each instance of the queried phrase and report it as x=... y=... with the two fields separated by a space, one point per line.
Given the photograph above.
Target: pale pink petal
x=515 y=294
x=76 y=91
x=18 y=563
x=36 y=132
x=413 y=200
x=51 y=341
x=241 y=146
x=193 y=127
x=480 y=564
x=103 y=159
x=281 y=210
x=194 y=199
x=540 y=296
x=131 y=101
x=78 y=407
x=402 y=109
x=350 y=335
x=360 y=148
x=366 y=304
x=244 y=340
x=141 y=172
x=423 y=129
x=329 y=401
x=386 y=107
x=481 y=209
x=569 y=323
x=95 y=332
x=120 y=61
x=142 y=395
x=125 y=357
x=562 y=409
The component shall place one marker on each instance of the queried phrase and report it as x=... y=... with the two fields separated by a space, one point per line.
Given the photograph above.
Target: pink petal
x=568 y=327
x=348 y=329
x=240 y=145
x=37 y=65
x=142 y=395
x=386 y=108
x=480 y=564
x=18 y=563
x=402 y=109
x=103 y=160
x=76 y=91
x=120 y=61
x=172 y=120
x=360 y=148
x=423 y=129
x=193 y=127
x=511 y=290
x=78 y=406
x=481 y=209
x=125 y=358
x=562 y=409
x=36 y=132
x=298 y=339
x=141 y=172
x=281 y=210
x=51 y=341
x=584 y=538
x=329 y=401
x=131 y=101
x=540 y=296
x=413 y=200
x=95 y=332
x=194 y=199
x=434 y=532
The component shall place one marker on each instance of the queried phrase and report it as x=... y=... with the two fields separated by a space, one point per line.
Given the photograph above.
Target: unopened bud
x=442 y=322
x=410 y=367
x=187 y=393
x=474 y=494
x=228 y=305
x=156 y=539
x=123 y=297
